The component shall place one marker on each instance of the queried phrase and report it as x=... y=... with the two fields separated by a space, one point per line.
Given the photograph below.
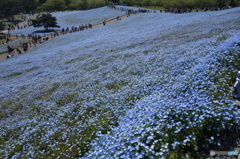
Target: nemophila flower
x=131 y=89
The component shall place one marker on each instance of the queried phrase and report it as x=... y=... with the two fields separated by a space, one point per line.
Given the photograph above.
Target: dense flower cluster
x=154 y=85
x=183 y=120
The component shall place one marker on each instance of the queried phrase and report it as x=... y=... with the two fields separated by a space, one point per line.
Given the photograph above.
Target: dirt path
x=32 y=46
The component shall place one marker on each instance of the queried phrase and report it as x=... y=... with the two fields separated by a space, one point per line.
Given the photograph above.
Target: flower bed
x=151 y=85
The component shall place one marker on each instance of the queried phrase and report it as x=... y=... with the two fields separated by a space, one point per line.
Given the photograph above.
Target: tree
x=96 y=3
x=222 y=3
x=10 y=8
x=29 y=5
x=156 y=2
x=42 y=1
x=127 y=2
x=68 y=2
x=233 y=3
x=168 y=4
x=85 y=4
x=145 y=2
x=46 y=20
x=54 y=5
x=75 y=4
x=115 y=1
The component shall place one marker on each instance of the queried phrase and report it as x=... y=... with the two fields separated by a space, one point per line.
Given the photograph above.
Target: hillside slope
x=77 y=18
x=122 y=80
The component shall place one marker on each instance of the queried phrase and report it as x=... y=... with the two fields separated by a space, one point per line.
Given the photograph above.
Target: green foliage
x=28 y=5
x=145 y=2
x=12 y=7
x=2 y=26
x=86 y=4
x=46 y=20
x=115 y=1
x=9 y=8
x=128 y=2
x=75 y=4
x=54 y=5
x=189 y=3
x=233 y=3
x=167 y=4
x=98 y=3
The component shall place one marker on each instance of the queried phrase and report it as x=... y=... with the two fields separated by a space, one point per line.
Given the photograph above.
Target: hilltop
x=122 y=89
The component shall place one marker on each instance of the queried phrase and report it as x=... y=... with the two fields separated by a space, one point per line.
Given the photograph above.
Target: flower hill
x=151 y=85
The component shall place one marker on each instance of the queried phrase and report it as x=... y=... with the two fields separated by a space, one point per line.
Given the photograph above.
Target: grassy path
x=32 y=46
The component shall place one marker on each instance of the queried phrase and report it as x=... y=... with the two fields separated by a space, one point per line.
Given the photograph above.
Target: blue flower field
x=153 y=85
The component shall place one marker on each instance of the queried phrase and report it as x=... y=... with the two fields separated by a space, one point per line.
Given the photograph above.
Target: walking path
x=31 y=45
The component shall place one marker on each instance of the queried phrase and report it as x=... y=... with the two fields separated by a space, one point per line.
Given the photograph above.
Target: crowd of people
x=12 y=27
x=17 y=27
x=131 y=11
x=172 y=10
x=189 y=10
x=35 y=39
x=74 y=29
x=11 y=50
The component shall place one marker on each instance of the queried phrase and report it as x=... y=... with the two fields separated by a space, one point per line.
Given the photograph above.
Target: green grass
x=2 y=39
x=1 y=53
x=153 y=8
x=14 y=74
